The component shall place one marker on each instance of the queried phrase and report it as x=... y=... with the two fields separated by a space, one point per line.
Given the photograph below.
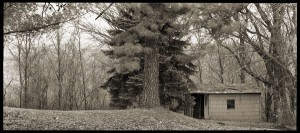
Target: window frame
x=230 y=104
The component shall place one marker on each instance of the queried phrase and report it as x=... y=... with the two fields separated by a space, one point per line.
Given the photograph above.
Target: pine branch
x=5 y=8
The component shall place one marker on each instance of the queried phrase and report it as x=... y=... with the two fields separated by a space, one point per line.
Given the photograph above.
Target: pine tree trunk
x=150 y=95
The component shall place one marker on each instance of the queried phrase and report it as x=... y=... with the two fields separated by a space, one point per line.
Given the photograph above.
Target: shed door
x=199 y=106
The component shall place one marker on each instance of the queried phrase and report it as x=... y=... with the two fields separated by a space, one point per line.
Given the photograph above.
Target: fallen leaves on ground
x=131 y=119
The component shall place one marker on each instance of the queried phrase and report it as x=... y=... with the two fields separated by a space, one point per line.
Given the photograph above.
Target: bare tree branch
x=242 y=66
x=40 y=27
x=104 y=11
x=263 y=15
x=8 y=84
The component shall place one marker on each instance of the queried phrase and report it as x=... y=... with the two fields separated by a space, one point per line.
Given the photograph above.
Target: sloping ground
x=131 y=119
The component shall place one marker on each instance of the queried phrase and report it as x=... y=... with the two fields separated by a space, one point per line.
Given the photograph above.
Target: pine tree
x=152 y=70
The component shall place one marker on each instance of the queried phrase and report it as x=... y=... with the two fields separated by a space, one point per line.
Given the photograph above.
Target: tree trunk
x=293 y=95
x=26 y=67
x=200 y=71
x=276 y=100
x=221 y=66
x=150 y=95
x=242 y=55
x=282 y=108
x=45 y=100
x=281 y=76
x=59 y=71
x=20 y=74
x=268 y=104
x=26 y=86
x=83 y=75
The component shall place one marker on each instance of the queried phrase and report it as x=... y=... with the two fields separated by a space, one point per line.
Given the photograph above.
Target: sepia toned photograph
x=149 y=66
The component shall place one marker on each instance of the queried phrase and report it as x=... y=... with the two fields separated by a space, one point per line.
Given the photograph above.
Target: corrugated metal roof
x=226 y=89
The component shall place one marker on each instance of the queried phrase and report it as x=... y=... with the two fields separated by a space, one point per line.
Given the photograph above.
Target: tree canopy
x=132 y=39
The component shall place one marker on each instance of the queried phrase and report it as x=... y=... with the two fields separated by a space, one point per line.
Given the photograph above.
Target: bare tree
x=5 y=90
x=57 y=65
x=265 y=32
x=81 y=66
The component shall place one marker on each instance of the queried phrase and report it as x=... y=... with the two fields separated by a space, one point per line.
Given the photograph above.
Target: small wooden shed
x=226 y=102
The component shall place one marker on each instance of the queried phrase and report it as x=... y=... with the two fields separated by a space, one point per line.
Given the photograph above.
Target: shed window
x=230 y=104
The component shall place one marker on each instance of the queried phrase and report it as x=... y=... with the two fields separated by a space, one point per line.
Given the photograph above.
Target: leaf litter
x=130 y=119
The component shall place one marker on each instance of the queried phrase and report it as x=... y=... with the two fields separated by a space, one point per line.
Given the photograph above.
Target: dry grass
x=131 y=119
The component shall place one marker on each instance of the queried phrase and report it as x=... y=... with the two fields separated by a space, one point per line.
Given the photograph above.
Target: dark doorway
x=198 y=110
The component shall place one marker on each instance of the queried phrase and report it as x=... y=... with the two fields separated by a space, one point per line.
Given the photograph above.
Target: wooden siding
x=247 y=107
